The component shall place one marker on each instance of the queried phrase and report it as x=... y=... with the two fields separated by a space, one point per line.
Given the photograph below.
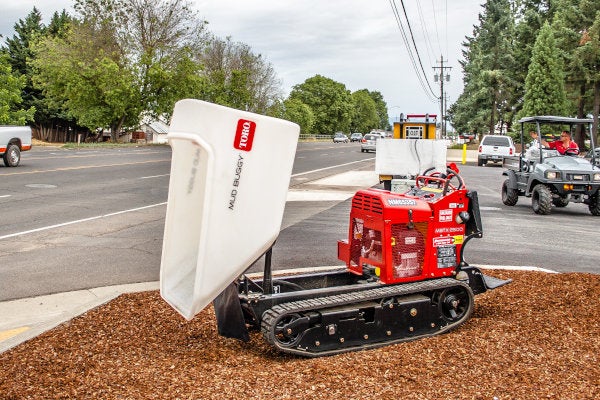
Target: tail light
x=480 y=148
x=510 y=151
x=364 y=141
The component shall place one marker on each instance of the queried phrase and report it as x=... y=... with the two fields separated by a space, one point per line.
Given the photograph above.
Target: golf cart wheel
x=509 y=196
x=541 y=199
x=561 y=201
x=594 y=205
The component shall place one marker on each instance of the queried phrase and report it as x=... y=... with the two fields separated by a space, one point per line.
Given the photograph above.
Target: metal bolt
x=366 y=337
x=389 y=333
x=391 y=305
x=341 y=340
x=317 y=343
x=413 y=312
x=411 y=329
x=289 y=331
x=433 y=324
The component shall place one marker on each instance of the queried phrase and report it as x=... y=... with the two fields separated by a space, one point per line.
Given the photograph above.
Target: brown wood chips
x=537 y=338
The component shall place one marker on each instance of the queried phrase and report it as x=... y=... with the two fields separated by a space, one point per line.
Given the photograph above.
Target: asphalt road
x=78 y=219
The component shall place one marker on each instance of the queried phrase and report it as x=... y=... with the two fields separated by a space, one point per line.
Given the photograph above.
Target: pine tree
x=488 y=68
x=544 y=86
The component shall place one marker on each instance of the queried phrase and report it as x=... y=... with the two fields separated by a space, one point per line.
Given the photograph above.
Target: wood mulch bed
x=537 y=338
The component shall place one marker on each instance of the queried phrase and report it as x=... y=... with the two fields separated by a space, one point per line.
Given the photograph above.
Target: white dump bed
x=409 y=157
x=230 y=173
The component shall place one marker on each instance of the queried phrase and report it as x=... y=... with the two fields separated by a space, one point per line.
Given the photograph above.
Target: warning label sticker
x=443 y=241
x=445 y=215
x=447 y=240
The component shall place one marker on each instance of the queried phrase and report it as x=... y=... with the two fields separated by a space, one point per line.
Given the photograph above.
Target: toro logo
x=244 y=135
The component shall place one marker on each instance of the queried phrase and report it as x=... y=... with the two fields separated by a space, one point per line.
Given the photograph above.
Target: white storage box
x=409 y=157
x=230 y=173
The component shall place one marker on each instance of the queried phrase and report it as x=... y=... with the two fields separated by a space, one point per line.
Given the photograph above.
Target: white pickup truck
x=14 y=140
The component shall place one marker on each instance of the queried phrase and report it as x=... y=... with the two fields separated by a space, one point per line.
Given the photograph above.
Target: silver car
x=356 y=137
x=340 y=137
x=368 y=142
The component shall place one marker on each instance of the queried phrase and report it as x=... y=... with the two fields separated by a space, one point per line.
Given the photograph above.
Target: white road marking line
x=317 y=195
x=153 y=176
x=45 y=228
x=5 y=195
x=333 y=166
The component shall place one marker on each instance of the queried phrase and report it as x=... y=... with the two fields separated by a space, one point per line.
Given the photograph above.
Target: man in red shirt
x=563 y=144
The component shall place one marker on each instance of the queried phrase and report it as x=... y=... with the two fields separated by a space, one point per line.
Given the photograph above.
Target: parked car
x=339 y=137
x=381 y=134
x=14 y=140
x=356 y=137
x=495 y=148
x=369 y=141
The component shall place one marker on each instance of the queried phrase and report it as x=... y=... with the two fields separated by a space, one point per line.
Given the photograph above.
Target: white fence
x=315 y=138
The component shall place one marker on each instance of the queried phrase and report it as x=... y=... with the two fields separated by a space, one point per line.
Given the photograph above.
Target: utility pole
x=442 y=75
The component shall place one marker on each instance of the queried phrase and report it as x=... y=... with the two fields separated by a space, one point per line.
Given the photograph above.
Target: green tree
x=588 y=54
x=17 y=47
x=364 y=116
x=48 y=115
x=571 y=25
x=236 y=77
x=488 y=71
x=86 y=75
x=123 y=59
x=544 y=86
x=11 y=85
x=330 y=102
x=381 y=109
x=298 y=112
x=531 y=15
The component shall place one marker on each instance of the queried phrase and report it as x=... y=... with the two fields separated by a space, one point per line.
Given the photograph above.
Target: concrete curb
x=25 y=319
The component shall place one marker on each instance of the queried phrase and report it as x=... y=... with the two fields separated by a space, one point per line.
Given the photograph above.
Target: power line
x=421 y=75
x=411 y=57
x=415 y=44
x=437 y=34
x=401 y=27
x=428 y=45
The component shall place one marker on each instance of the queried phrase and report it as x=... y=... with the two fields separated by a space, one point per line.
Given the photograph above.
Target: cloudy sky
x=355 y=42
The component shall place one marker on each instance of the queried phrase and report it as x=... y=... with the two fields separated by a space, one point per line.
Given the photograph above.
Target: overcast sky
x=355 y=42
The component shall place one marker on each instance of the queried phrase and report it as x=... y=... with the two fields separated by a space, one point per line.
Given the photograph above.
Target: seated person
x=563 y=144
x=534 y=142
x=534 y=146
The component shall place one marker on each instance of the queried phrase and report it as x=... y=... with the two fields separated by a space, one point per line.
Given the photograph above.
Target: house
x=156 y=131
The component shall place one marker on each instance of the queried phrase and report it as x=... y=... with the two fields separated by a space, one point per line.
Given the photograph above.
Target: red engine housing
x=405 y=237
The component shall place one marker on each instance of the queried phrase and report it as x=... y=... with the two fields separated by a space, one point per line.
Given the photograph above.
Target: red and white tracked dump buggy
x=405 y=276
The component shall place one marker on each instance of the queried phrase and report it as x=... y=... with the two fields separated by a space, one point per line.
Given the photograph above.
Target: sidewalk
x=25 y=319
x=456 y=155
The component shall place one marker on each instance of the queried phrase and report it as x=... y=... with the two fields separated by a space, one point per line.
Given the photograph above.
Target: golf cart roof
x=549 y=119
